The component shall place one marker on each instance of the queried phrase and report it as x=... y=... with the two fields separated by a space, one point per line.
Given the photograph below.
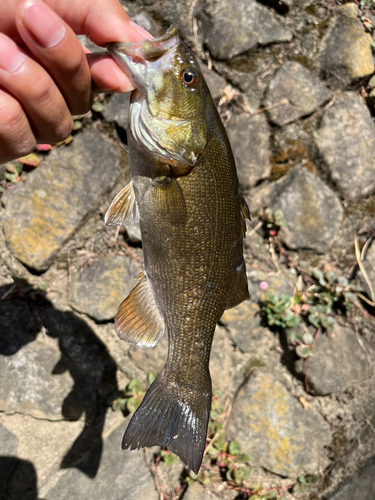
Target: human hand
x=46 y=75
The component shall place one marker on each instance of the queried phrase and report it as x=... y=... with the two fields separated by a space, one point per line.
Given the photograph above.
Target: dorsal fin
x=123 y=209
x=138 y=320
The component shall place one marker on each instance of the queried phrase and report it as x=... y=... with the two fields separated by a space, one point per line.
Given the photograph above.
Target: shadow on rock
x=24 y=313
x=17 y=479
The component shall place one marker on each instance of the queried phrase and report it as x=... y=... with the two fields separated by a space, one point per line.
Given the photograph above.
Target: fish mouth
x=141 y=60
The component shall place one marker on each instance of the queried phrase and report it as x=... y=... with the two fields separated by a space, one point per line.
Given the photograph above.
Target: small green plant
x=327 y=294
x=14 y=172
x=168 y=457
x=133 y=395
x=274 y=221
x=304 y=483
x=278 y=311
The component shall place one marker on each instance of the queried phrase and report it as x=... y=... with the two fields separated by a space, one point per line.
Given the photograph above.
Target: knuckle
x=42 y=91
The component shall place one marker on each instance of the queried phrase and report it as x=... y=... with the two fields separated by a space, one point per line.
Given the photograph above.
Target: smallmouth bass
x=185 y=194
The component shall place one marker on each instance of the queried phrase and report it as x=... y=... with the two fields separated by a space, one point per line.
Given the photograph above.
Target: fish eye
x=189 y=78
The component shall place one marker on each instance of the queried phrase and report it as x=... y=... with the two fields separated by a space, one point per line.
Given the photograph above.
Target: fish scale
x=185 y=187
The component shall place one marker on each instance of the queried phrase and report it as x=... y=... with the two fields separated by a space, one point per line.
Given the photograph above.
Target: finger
x=41 y=100
x=16 y=137
x=103 y=21
x=56 y=47
x=107 y=76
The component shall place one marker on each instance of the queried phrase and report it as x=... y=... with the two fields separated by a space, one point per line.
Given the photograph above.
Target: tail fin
x=173 y=417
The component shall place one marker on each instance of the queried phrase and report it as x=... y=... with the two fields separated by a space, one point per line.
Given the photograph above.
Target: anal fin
x=123 y=209
x=138 y=320
x=240 y=291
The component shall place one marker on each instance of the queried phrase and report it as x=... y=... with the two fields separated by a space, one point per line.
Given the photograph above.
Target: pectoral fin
x=138 y=320
x=240 y=291
x=123 y=209
x=168 y=201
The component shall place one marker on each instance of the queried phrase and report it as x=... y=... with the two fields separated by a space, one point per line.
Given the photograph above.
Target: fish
x=186 y=196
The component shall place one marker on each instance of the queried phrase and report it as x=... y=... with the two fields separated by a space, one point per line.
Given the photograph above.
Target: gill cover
x=167 y=107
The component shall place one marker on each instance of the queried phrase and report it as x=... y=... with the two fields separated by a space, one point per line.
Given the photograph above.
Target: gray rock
x=117 y=110
x=150 y=359
x=360 y=486
x=312 y=211
x=250 y=140
x=338 y=362
x=100 y=288
x=346 y=141
x=215 y=82
x=43 y=213
x=8 y=462
x=345 y=51
x=369 y=265
x=244 y=324
x=134 y=232
x=232 y=28
x=225 y=363
x=30 y=385
x=8 y=442
x=274 y=429
x=261 y=284
x=197 y=491
x=302 y=92
x=124 y=473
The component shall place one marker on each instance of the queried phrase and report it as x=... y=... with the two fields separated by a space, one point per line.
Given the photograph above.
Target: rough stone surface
x=117 y=110
x=280 y=436
x=369 y=265
x=101 y=287
x=31 y=386
x=197 y=491
x=250 y=140
x=8 y=442
x=43 y=213
x=274 y=284
x=215 y=82
x=361 y=486
x=225 y=363
x=133 y=232
x=124 y=473
x=232 y=28
x=338 y=362
x=8 y=452
x=345 y=51
x=312 y=211
x=244 y=323
x=302 y=92
x=346 y=141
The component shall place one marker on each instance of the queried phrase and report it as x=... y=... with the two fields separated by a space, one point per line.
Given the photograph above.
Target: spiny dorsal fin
x=123 y=209
x=240 y=291
x=168 y=200
x=138 y=320
x=245 y=212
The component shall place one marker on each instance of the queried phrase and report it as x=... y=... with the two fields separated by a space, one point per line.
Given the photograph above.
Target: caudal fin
x=174 y=417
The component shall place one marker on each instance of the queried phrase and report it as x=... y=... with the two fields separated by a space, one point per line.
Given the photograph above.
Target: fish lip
x=140 y=60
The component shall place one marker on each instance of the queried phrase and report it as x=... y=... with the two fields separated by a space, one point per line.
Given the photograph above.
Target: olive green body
x=192 y=266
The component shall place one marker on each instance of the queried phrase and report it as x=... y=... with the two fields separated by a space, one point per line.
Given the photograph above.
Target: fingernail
x=42 y=23
x=11 y=57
